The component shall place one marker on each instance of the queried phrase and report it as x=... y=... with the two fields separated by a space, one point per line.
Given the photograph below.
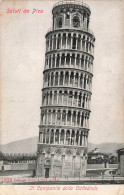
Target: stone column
x=56 y=116
x=83 y=81
x=64 y=78
x=61 y=116
x=71 y=40
x=79 y=138
x=49 y=44
x=66 y=117
x=60 y=60
x=75 y=137
x=55 y=60
x=49 y=135
x=84 y=140
x=81 y=43
x=45 y=135
x=73 y=165
x=81 y=166
x=67 y=97
x=89 y=103
x=63 y=164
x=69 y=78
x=60 y=42
x=53 y=79
x=90 y=84
x=80 y=62
x=74 y=79
x=75 y=60
x=70 y=136
x=52 y=162
x=52 y=97
x=70 y=60
x=66 y=42
x=54 y=131
x=76 y=41
x=57 y=96
x=86 y=101
x=71 y=117
x=81 y=99
x=62 y=96
x=79 y=75
x=41 y=137
x=80 y=118
x=56 y=41
x=85 y=45
x=64 y=136
x=58 y=79
x=59 y=135
x=42 y=167
x=76 y=117
x=86 y=120
x=52 y=43
x=46 y=117
x=73 y=94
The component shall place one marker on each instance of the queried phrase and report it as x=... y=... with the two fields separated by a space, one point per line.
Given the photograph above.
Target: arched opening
x=66 y=78
x=50 y=61
x=57 y=61
x=61 y=78
x=56 y=79
x=59 y=22
x=51 y=43
x=74 y=42
x=64 y=117
x=78 y=60
x=63 y=59
x=64 y=40
x=58 y=42
x=52 y=77
x=69 y=118
x=76 y=21
x=79 y=42
x=53 y=61
x=68 y=59
x=73 y=59
x=65 y=98
x=54 y=42
x=69 y=41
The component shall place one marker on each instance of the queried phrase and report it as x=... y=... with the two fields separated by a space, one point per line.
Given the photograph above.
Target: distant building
x=120 y=153
x=96 y=157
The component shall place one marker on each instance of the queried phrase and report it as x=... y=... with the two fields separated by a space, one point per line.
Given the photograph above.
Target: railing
x=72 y=2
x=71 y=28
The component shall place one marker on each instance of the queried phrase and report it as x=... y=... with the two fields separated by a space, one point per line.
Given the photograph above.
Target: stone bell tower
x=66 y=93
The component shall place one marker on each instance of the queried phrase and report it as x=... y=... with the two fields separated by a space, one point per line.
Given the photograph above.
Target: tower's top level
x=71 y=4
x=71 y=14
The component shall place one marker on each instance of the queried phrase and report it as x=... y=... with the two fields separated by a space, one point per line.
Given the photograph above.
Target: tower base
x=56 y=161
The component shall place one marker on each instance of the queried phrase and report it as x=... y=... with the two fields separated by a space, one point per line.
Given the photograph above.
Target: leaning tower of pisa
x=66 y=93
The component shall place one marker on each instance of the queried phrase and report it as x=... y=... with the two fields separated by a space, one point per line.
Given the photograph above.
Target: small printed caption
x=25 y=11
x=57 y=188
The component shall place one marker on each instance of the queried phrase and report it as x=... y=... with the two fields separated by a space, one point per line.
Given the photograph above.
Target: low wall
x=95 y=166
x=18 y=166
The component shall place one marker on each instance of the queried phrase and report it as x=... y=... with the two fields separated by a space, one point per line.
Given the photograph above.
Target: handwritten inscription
x=26 y=11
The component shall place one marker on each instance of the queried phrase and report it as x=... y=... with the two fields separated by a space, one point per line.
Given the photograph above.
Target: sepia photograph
x=62 y=94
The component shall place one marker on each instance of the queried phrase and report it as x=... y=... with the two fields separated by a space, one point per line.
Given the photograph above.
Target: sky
x=22 y=64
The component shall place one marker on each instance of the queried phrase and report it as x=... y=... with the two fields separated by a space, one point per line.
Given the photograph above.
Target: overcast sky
x=23 y=56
